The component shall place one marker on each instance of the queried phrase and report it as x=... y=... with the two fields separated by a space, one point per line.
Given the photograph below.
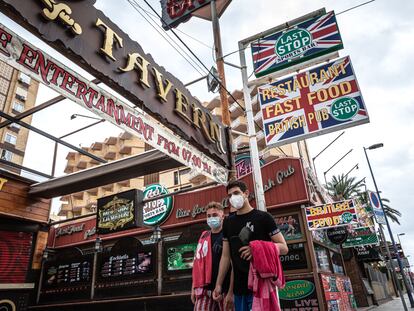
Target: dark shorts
x=243 y=303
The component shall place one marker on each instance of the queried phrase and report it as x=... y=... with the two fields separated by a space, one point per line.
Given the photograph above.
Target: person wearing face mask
x=248 y=224
x=206 y=264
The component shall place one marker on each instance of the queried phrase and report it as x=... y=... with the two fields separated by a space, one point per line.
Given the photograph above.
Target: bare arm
x=281 y=243
x=223 y=268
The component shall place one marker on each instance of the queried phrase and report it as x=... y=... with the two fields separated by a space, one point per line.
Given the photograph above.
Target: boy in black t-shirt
x=246 y=225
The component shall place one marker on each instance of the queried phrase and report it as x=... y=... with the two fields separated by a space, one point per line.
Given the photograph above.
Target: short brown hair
x=215 y=205
x=236 y=183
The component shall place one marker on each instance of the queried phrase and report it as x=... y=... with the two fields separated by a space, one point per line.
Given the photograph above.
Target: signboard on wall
x=120 y=211
x=331 y=215
x=17 y=53
x=296 y=258
x=297 y=44
x=338 y=292
x=90 y=39
x=361 y=237
x=156 y=212
x=315 y=102
x=299 y=294
x=243 y=164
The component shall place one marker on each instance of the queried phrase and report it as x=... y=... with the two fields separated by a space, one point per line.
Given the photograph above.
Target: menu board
x=181 y=257
x=67 y=277
x=127 y=265
x=338 y=293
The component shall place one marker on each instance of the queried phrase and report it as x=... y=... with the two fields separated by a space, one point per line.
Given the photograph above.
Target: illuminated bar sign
x=301 y=42
x=331 y=215
x=119 y=212
x=314 y=102
x=91 y=40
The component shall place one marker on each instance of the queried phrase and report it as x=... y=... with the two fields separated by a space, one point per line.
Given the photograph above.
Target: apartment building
x=17 y=93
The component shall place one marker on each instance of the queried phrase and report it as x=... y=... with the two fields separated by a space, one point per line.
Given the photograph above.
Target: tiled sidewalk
x=394 y=305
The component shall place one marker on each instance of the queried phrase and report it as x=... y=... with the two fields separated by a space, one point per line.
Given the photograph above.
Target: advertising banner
x=299 y=294
x=376 y=207
x=314 y=102
x=331 y=215
x=23 y=56
x=289 y=226
x=338 y=293
x=361 y=236
x=296 y=44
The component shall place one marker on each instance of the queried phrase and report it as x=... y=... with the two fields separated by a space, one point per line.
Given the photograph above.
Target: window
x=10 y=138
x=176 y=178
x=322 y=258
x=19 y=107
x=336 y=262
x=21 y=94
x=24 y=78
x=6 y=155
x=15 y=125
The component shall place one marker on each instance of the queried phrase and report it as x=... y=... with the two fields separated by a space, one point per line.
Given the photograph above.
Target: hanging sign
x=91 y=40
x=331 y=215
x=361 y=237
x=120 y=211
x=376 y=207
x=337 y=235
x=298 y=43
x=156 y=212
x=321 y=100
x=38 y=65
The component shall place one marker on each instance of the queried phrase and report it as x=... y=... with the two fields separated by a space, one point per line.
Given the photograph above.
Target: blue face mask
x=214 y=222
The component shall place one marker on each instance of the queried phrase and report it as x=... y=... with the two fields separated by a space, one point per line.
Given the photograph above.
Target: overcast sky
x=377 y=36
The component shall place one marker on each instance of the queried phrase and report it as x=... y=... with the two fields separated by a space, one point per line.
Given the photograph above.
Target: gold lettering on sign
x=181 y=105
x=110 y=37
x=62 y=11
x=142 y=66
x=162 y=90
x=2 y=182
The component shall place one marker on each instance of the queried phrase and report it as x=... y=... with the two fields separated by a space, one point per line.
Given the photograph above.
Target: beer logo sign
x=296 y=289
x=157 y=211
x=116 y=214
x=293 y=43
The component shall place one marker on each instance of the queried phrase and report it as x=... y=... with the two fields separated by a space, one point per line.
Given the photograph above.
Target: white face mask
x=237 y=201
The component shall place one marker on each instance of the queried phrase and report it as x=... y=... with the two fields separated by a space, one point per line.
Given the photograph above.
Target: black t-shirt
x=217 y=249
x=262 y=227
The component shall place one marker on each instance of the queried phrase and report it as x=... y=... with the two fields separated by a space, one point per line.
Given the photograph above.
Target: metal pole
x=74 y=132
x=225 y=113
x=94 y=269
x=254 y=152
x=314 y=158
x=393 y=243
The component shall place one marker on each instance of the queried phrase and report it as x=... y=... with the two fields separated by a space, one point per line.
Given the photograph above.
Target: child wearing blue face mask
x=206 y=264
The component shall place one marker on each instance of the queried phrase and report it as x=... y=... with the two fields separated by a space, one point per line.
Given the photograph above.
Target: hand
x=245 y=252
x=193 y=296
x=217 y=293
x=229 y=302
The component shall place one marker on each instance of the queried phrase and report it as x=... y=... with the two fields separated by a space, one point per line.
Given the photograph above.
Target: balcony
x=196 y=178
x=239 y=124
x=235 y=110
x=237 y=94
x=216 y=111
x=111 y=140
x=110 y=152
x=270 y=154
x=241 y=141
x=214 y=103
x=96 y=146
x=261 y=141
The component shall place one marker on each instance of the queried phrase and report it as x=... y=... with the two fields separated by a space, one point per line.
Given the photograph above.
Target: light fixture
x=156 y=235
x=98 y=245
x=45 y=253
x=375 y=146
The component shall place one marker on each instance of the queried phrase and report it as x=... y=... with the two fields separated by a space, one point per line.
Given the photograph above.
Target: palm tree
x=343 y=187
x=390 y=212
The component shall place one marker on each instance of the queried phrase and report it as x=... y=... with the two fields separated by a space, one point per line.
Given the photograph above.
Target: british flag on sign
x=321 y=100
x=324 y=38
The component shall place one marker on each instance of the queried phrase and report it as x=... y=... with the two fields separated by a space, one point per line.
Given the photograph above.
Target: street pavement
x=393 y=305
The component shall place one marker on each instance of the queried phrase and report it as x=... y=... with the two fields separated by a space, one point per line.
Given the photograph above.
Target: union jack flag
x=325 y=39
x=309 y=104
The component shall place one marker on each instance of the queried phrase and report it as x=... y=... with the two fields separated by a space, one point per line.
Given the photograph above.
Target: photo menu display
x=181 y=257
x=127 y=265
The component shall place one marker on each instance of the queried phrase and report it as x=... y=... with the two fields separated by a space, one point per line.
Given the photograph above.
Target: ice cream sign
x=157 y=211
